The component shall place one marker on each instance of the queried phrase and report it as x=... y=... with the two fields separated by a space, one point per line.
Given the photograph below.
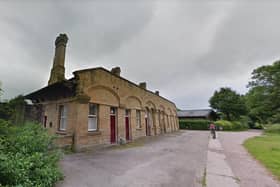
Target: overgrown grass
x=204 y=184
x=275 y=129
x=266 y=149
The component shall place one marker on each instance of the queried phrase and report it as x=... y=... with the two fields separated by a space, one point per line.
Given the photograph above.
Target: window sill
x=139 y=128
x=61 y=132
x=92 y=133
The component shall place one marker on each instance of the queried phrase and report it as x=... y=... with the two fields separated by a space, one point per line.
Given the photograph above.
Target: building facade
x=98 y=106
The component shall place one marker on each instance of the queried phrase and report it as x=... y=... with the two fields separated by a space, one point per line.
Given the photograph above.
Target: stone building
x=98 y=106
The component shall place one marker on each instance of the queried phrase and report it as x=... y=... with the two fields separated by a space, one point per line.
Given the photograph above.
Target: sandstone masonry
x=99 y=107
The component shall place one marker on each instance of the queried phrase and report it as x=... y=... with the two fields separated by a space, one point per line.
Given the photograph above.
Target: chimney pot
x=143 y=85
x=116 y=71
x=62 y=39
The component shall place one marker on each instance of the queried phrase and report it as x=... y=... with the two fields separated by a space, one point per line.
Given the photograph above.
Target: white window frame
x=93 y=116
x=62 y=117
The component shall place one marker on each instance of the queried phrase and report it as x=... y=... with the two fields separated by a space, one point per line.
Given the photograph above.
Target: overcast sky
x=184 y=49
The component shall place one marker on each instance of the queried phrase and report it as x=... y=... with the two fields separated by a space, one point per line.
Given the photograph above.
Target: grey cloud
x=185 y=49
x=94 y=28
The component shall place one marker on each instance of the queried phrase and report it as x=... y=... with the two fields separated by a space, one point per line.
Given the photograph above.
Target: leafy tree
x=258 y=104
x=227 y=101
x=1 y=90
x=263 y=98
x=13 y=110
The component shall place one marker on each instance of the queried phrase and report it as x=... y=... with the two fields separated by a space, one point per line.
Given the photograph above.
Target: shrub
x=258 y=126
x=246 y=121
x=273 y=129
x=194 y=124
x=224 y=124
x=231 y=125
x=27 y=156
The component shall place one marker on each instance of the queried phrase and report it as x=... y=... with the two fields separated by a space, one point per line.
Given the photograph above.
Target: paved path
x=175 y=159
x=219 y=172
x=249 y=172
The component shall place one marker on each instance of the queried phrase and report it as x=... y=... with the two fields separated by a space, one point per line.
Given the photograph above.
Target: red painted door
x=113 y=128
x=127 y=128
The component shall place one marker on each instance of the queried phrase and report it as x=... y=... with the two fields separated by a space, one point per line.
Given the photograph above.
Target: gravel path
x=175 y=159
x=250 y=172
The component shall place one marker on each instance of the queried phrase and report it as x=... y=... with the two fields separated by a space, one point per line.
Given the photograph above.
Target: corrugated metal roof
x=194 y=113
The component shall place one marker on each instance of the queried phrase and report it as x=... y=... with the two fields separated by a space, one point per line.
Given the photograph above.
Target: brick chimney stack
x=116 y=71
x=58 y=69
x=143 y=85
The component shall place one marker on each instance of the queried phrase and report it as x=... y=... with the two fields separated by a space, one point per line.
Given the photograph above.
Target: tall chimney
x=58 y=69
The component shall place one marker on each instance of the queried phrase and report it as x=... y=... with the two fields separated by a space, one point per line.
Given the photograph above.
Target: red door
x=127 y=128
x=113 y=128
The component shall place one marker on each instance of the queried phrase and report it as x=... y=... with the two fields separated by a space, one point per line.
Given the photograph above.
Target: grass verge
x=204 y=178
x=266 y=149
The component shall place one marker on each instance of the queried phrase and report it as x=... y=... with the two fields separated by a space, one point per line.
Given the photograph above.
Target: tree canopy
x=263 y=98
x=227 y=101
x=1 y=91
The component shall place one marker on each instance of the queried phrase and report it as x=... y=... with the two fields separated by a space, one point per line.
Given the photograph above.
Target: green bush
x=246 y=121
x=231 y=125
x=27 y=156
x=237 y=125
x=224 y=124
x=194 y=124
x=275 y=128
x=258 y=126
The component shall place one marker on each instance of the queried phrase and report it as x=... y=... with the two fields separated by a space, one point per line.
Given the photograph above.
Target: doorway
x=113 y=113
x=127 y=124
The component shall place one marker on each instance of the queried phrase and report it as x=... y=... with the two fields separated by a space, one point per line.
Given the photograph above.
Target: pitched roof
x=194 y=113
x=54 y=91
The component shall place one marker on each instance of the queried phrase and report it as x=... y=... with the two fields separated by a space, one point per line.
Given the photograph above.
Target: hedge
x=194 y=124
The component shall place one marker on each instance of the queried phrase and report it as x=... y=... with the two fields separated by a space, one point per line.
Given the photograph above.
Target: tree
x=227 y=101
x=1 y=91
x=263 y=98
x=258 y=104
x=13 y=110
